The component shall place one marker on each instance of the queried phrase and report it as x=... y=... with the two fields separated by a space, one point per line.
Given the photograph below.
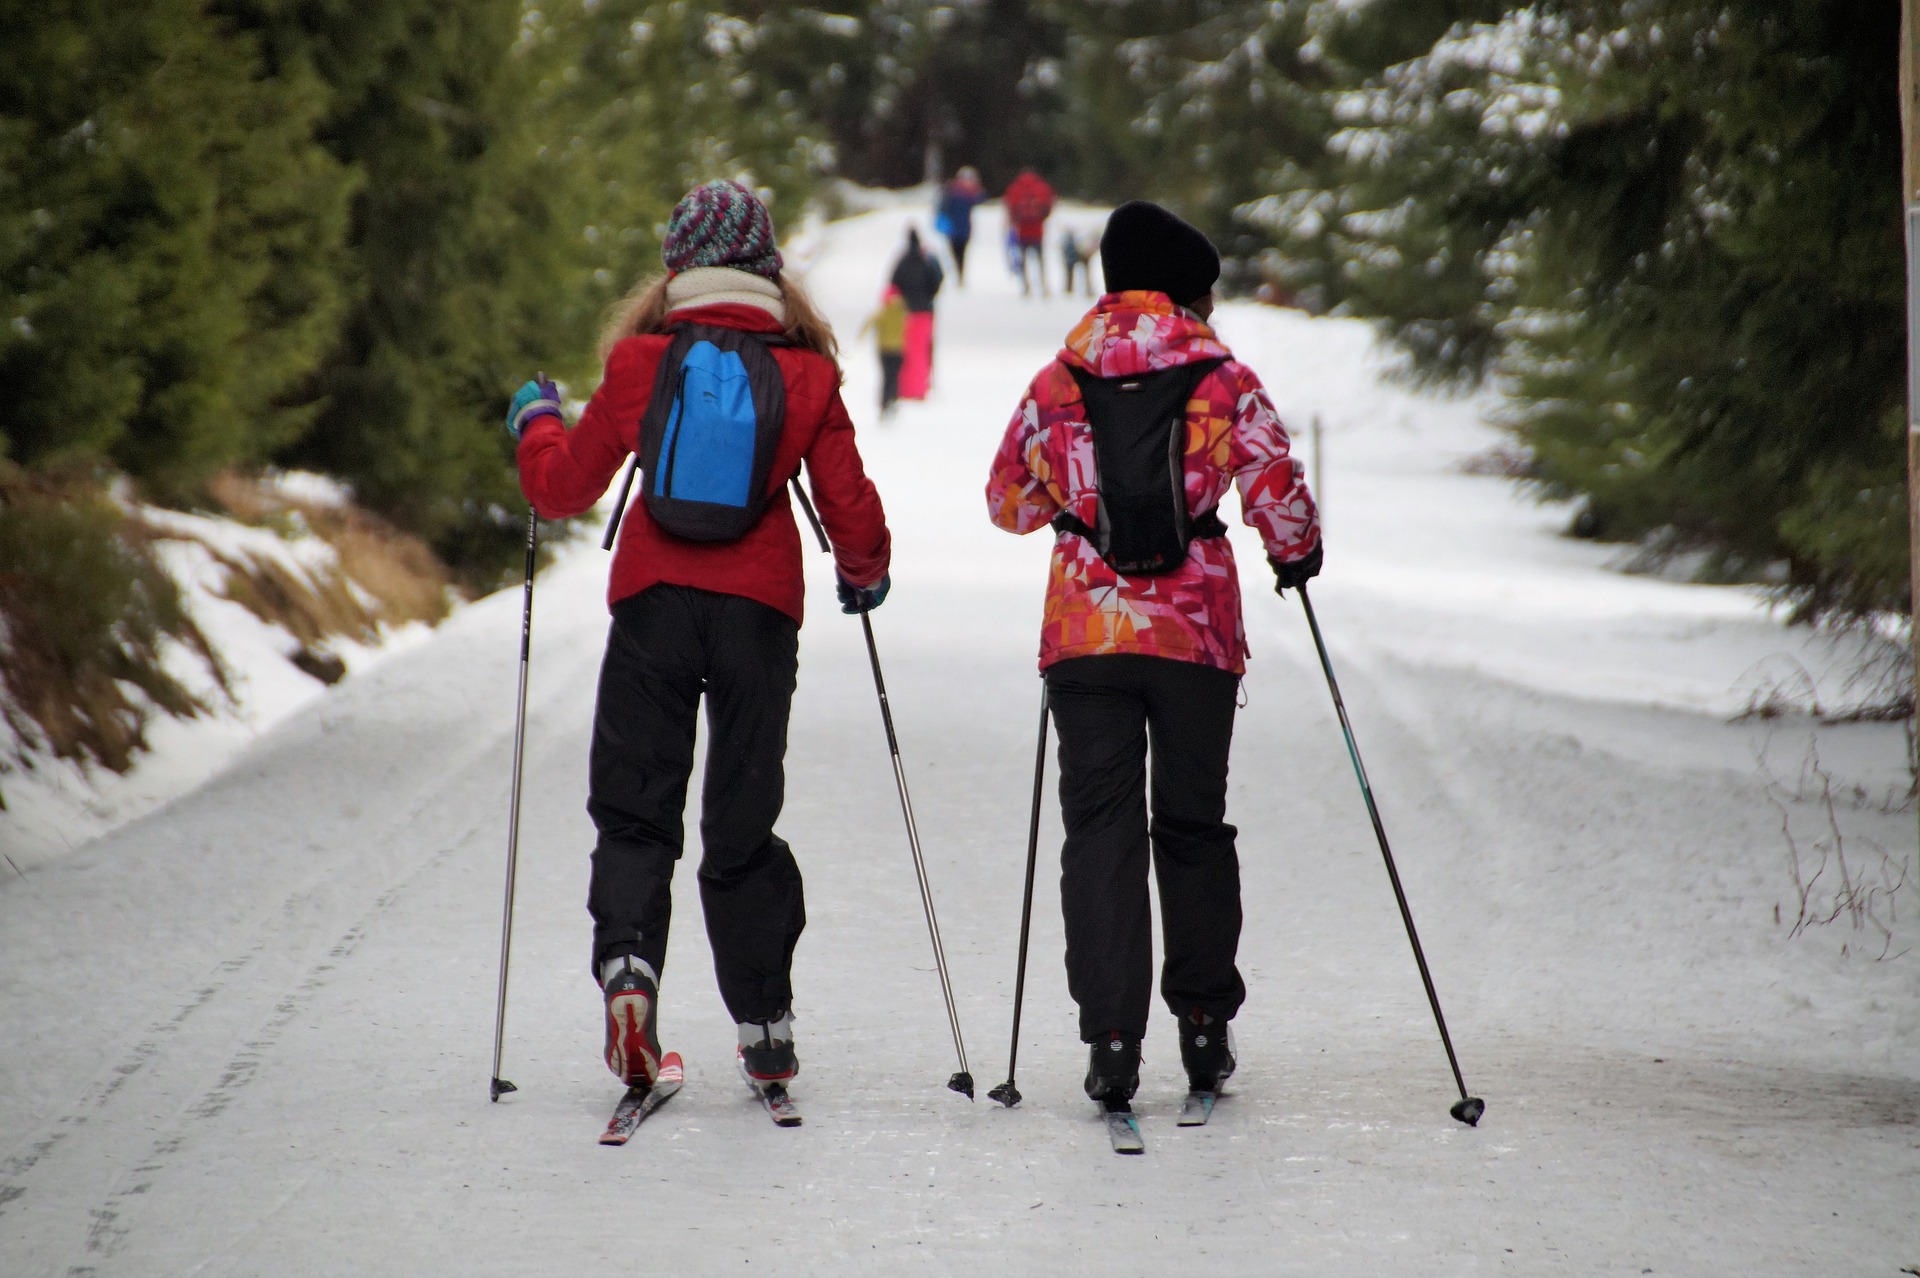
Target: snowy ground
x=250 y=1033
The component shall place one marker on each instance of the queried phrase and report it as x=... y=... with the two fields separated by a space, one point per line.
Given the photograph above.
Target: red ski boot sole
x=633 y=1052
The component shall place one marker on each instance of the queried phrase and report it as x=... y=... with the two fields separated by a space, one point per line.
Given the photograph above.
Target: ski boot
x=1206 y=1049
x=1113 y=1070
x=633 y=1036
x=766 y=1052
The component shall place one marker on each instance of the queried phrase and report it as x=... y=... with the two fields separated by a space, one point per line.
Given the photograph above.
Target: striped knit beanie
x=721 y=224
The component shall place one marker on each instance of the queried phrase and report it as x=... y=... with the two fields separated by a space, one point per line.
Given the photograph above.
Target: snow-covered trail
x=251 y=1034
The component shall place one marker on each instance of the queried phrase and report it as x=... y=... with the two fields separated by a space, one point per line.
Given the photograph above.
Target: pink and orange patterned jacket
x=1045 y=465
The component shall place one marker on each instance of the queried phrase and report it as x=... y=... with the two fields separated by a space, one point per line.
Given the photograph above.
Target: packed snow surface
x=250 y=1032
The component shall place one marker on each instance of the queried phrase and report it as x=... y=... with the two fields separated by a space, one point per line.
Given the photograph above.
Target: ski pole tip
x=1007 y=1094
x=961 y=1082
x=1468 y=1110
x=501 y=1087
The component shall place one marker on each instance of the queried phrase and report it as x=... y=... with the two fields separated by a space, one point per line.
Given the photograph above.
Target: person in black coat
x=918 y=276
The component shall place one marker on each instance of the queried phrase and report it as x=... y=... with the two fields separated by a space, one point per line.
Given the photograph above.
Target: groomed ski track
x=251 y=1034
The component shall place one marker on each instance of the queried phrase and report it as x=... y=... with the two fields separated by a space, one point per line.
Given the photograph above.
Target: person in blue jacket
x=953 y=216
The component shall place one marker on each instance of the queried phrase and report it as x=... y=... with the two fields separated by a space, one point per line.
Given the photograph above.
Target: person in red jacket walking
x=1150 y=657
x=704 y=618
x=1029 y=202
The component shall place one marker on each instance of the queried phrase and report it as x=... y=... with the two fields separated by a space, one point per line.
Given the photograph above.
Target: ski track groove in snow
x=250 y=1033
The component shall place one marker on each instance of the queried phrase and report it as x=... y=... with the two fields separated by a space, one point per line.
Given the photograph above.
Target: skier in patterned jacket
x=1136 y=660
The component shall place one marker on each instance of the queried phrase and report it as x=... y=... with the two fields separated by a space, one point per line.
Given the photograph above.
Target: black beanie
x=1146 y=247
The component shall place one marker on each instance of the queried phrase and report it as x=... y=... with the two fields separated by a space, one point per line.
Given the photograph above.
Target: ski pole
x=500 y=1085
x=1007 y=1094
x=961 y=1082
x=1468 y=1108
x=620 y=504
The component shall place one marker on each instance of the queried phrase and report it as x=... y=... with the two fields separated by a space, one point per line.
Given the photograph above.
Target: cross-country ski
x=1123 y=1129
x=638 y=1103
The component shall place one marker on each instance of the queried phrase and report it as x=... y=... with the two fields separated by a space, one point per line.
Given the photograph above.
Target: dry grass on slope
x=92 y=602
x=378 y=576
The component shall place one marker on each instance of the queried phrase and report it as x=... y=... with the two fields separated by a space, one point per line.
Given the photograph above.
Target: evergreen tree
x=459 y=256
x=169 y=235
x=1671 y=228
x=977 y=82
x=1204 y=105
x=641 y=100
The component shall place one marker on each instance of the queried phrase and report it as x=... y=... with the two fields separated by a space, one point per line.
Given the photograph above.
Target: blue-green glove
x=857 y=599
x=533 y=399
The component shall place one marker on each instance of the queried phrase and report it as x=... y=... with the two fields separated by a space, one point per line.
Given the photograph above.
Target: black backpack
x=710 y=431
x=1139 y=450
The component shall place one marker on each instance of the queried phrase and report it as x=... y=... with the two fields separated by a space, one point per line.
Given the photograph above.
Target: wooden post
x=1910 y=193
x=1319 y=473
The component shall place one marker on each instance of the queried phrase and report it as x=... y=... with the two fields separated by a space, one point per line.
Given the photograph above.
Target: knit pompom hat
x=721 y=224
x=1146 y=247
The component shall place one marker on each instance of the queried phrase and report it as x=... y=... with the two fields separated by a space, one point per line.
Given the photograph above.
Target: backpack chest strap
x=1205 y=524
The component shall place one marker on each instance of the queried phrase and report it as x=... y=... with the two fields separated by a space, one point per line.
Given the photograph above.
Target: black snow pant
x=890 y=362
x=1107 y=710
x=667 y=646
x=958 y=243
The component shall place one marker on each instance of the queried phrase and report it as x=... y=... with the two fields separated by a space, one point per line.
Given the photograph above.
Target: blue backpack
x=710 y=431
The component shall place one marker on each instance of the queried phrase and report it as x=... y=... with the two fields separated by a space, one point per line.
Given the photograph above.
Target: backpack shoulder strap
x=1185 y=379
x=1208 y=522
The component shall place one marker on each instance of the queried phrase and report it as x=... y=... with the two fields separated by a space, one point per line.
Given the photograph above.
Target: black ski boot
x=1113 y=1069
x=1206 y=1049
x=767 y=1057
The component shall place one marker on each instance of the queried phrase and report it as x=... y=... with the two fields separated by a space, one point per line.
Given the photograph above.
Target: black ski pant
x=667 y=646
x=1108 y=710
x=958 y=243
x=890 y=362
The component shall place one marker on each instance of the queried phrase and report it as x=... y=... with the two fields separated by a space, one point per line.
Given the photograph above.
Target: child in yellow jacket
x=889 y=328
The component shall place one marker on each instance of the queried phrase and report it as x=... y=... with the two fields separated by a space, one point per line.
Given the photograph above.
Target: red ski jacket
x=1029 y=201
x=564 y=472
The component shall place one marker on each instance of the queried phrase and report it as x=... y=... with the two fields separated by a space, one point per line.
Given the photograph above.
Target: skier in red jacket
x=703 y=617
x=1029 y=202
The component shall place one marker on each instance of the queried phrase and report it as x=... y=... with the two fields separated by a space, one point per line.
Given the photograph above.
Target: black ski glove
x=857 y=599
x=1296 y=572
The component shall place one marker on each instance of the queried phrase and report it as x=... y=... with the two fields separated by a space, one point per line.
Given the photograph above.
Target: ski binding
x=1197 y=1108
x=1123 y=1129
x=780 y=1106
x=641 y=1101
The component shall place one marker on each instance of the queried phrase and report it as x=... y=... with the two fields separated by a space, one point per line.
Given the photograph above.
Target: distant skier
x=888 y=324
x=953 y=216
x=1149 y=652
x=918 y=275
x=1029 y=202
x=715 y=617
x=1076 y=259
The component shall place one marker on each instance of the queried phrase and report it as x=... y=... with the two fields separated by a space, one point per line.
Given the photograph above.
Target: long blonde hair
x=644 y=310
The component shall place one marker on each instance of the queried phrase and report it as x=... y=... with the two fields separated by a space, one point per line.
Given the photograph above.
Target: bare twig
x=1867 y=907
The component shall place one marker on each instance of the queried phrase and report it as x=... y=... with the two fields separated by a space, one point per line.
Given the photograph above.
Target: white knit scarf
x=712 y=285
